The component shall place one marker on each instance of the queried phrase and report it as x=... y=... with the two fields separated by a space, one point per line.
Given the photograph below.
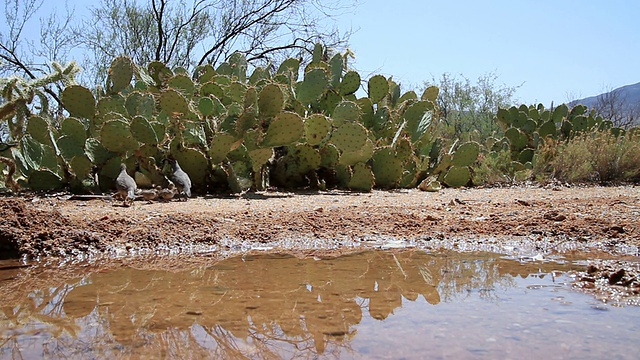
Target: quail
x=126 y=185
x=167 y=193
x=149 y=194
x=180 y=179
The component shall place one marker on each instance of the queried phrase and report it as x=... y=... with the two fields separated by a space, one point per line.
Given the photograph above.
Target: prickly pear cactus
x=143 y=131
x=466 y=154
x=115 y=136
x=457 y=176
x=387 y=168
x=316 y=129
x=346 y=111
x=220 y=146
x=349 y=137
x=172 y=102
x=74 y=128
x=350 y=83
x=285 y=129
x=120 y=73
x=79 y=101
x=270 y=100
x=362 y=178
x=39 y=130
x=378 y=87
x=313 y=86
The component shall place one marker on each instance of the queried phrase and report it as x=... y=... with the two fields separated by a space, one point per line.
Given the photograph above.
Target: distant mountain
x=626 y=97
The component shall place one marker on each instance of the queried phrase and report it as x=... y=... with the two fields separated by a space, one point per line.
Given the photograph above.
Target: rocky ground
x=529 y=221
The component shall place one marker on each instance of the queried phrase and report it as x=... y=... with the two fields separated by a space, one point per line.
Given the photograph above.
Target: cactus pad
x=378 y=88
x=361 y=155
x=194 y=163
x=418 y=119
x=346 y=111
x=430 y=94
x=38 y=128
x=466 y=154
x=387 y=168
x=211 y=88
x=74 y=128
x=70 y=147
x=316 y=129
x=350 y=83
x=329 y=155
x=120 y=73
x=159 y=72
x=183 y=83
x=173 y=102
x=142 y=131
x=349 y=137
x=97 y=153
x=457 y=176
x=313 y=86
x=40 y=180
x=285 y=129
x=270 y=100
x=362 y=178
x=81 y=166
x=259 y=157
x=79 y=101
x=116 y=136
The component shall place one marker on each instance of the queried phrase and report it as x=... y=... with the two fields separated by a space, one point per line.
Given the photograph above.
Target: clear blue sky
x=557 y=49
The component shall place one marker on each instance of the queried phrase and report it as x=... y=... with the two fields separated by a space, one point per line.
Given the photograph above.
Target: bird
x=126 y=186
x=180 y=179
x=149 y=194
x=167 y=193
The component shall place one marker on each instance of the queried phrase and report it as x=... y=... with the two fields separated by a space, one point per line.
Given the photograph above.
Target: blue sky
x=556 y=50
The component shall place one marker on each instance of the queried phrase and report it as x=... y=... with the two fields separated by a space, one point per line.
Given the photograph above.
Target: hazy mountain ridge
x=628 y=98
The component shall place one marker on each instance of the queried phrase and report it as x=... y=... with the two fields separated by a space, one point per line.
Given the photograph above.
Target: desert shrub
x=496 y=168
x=596 y=156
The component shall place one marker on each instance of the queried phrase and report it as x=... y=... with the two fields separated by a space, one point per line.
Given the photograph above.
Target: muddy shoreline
x=528 y=222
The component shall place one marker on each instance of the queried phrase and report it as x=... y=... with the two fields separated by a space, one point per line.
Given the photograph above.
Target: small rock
x=616 y=276
x=591 y=269
x=523 y=202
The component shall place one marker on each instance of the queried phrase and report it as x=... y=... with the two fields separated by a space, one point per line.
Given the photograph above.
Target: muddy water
x=373 y=304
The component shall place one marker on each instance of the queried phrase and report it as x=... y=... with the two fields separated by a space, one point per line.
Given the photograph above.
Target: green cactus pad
x=349 y=137
x=204 y=73
x=409 y=175
x=212 y=88
x=38 y=128
x=142 y=131
x=195 y=164
x=114 y=103
x=504 y=118
x=466 y=154
x=346 y=111
x=70 y=147
x=258 y=75
x=408 y=96
x=316 y=129
x=387 y=168
x=529 y=126
x=559 y=113
x=235 y=92
x=566 y=128
x=116 y=136
x=580 y=123
x=307 y=158
x=526 y=156
x=430 y=94
x=183 y=83
x=548 y=129
x=378 y=88
x=41 y=180
x=159 y=72
x=361 y=155
x=329 y=155
x=290 y=67
x=362 y=178
x=81 y=166
x=206 y=107
x=430 y=184
x=403 y=148
x=74 y=128
x=337 y=64
x=418 y=118
x=120 y=73
x=259 y=157
x=313 y=86
x=517 y=139
x=97 y=153
x=238 y=64
x=173 y=102
x=285 y=129
x=328 y=103
x=79 y=101
x=457 y=176
x=111 y=168
x=350 y=83
x=270 y=100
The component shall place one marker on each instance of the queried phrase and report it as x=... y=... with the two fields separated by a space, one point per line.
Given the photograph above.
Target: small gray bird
x=126 y=186
x=180 y=179
x=167 y=193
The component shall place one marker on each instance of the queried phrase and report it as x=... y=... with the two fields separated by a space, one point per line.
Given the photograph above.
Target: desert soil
x=528 y=221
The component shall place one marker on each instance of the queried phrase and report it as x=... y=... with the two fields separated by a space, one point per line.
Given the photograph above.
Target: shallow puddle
x=374 y=304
